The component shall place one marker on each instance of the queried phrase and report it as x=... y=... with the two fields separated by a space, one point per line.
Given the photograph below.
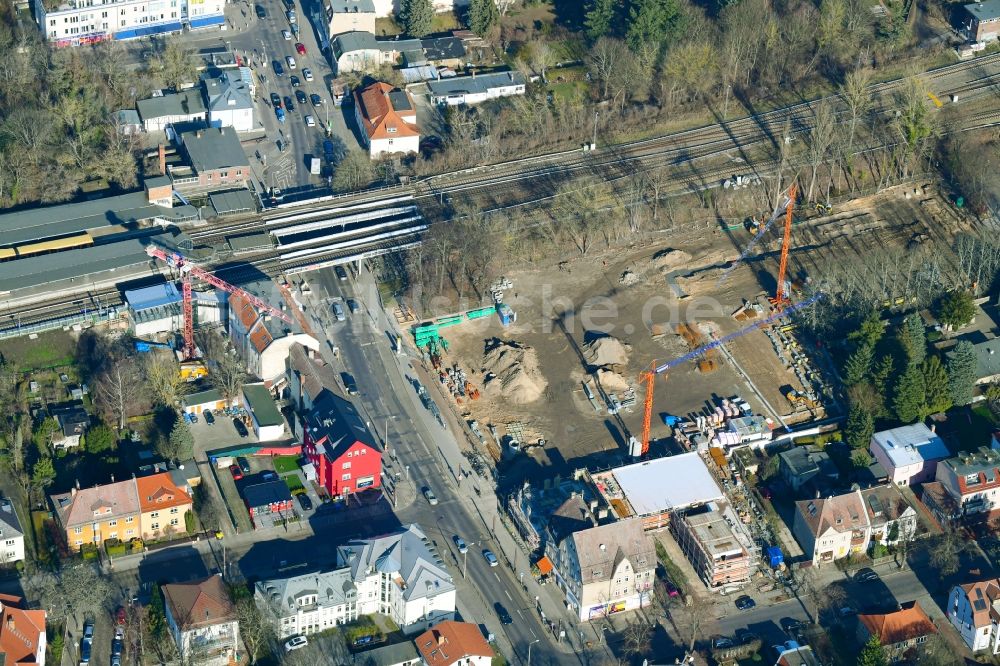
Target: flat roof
x=185 y=103
x=261 y=403
x=76 y=264
x=249 y=242
x=910 y=445
x=202 y=398
x=715 y=534
x=40 y=223
x=984 y=11
x=153 y=297
x=468 y=85
x=674 y=482
x=233 y=201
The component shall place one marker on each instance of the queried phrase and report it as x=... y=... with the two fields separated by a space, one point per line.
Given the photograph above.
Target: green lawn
x=286 y=464
x=52 y=349
x=294 y=484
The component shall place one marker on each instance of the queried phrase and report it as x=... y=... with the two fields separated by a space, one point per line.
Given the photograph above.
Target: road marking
x=497 y=577
x=507 y=592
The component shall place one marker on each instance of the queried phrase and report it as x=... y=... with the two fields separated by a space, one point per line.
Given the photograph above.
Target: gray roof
x=467 y=85
x=250 y=242
x=599 y=550
x=74 y=264
x=351 y=6
x=36 y=224
x=349 y=42
x=261 y=403
x=987 y=358
x=266 y=492
x=332 y=588
x=388 y=655
x=443 y=48
x=214 y=148
x=233 y=201
x=910 y=445
x=806 y=462
x=228 y=91
x=11 y=526
x=408 y=552
x=201 y=398
x=128 y=117
x=185 y=103
x=984 y=11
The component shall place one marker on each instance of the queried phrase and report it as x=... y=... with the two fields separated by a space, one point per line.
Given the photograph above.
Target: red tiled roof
x=987 y=591
x=379 y=117
x=21 y=631
x=905 y=624
x=160 y=492
x=448 y=642
x=251 y=322
x=199 y=603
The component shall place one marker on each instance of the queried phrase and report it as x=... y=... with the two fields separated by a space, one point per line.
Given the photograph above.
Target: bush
x=88 y=551
x=189 y=522
x=115 y=548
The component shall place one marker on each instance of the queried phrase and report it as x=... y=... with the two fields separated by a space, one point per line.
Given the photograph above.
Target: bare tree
x=858 y=97
x=227 y=372
x=118 y=388
x=821 y=137
x=540 y=57
x=638 y=638
x=255 y=630
x=601 y=61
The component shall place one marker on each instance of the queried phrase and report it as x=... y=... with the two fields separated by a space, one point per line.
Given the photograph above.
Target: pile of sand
x=606 y=351
x=512 y=370
x=671 y=260
x=628 y=278
x=611 y=381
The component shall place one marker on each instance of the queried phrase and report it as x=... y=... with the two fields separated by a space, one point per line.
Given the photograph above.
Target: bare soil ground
x=638 y=296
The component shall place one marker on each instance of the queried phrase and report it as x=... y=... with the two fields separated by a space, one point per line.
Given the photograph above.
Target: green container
x=480 y=313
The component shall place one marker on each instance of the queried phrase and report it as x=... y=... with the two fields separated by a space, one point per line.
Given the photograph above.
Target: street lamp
x=529 y=649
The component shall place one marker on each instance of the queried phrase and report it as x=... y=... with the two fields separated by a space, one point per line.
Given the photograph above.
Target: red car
x=301 y=48
x=120 y=616
x=236 y=472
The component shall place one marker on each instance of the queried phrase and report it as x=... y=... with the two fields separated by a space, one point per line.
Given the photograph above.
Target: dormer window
x=391 y=129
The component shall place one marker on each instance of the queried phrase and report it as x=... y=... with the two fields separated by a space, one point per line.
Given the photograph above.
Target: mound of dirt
x=611 y=381
x=512 y=370
x=606 y=351
x=671 y=260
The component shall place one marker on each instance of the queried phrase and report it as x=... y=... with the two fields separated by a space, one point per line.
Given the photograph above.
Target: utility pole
x=529 y=649
x=596 y=113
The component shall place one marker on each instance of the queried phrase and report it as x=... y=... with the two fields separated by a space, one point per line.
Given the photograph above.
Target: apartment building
x=972 y=480
x=82 y=22
x=708 y=536
x=308 y=603
x=203 y=622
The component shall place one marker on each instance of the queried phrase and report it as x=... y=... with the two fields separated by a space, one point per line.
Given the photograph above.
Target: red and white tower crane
x=188 y=272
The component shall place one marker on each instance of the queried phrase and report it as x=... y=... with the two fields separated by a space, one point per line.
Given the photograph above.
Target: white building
x=267 y=421
x=202 y=621
x=167 y=109
x=909 y=454
x=476 y=89
x=452 y=643
x=972 y=480
x=230 y=103
x=972 y=610
x=11 y=534
x=402 y=576
x=350 y=16
x=384 y=8
x=388 y=118
x=80 y=22
x=263 y=341
x=308 y=603
x=604 y=570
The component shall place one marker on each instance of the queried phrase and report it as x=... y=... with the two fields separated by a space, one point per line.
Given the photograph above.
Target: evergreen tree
x=908 y=400
x=180 y=444
x=99 y=439
x=937 y=397
x=962 y=373
x=872 y=654
x=859 y=428
x=417 y=17
x=859 y=365
x=599 y=19
x=870 y=331
x=881 y=379
x=651 y=21
x=483 y=16
x=913 y=339
x=956 y=309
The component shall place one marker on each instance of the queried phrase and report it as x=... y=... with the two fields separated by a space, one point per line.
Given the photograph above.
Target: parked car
x=866 y=575
x=352 y=305
x=116 y=660
x=300 y=48
x=241 y=429
x=350 y=385
x=236 y=472
x=300 y=97
x=340 y=272
x=290 y=61
x=290 y=15
x=430 y=496
x=287 y=36
x=672 y=590
x=305 y=502
x=745 y=603
x=502 y=613
x=316 y=99
x=460 y=544
x=279 y=70
x=87 y=642
x=120 y=616
x=338 y=312
x=490 y=557
x=261 y=12
x=294 y=80
x=289 y=104
x=307 y=74
x=275 y=100
x=244 y=464
x=209 y=417
x=194 y=418
x=310 y=121
x=296 y=643
x=722 y=642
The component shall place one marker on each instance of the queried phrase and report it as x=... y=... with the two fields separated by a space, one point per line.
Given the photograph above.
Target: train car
x=7 y=253
x=69 y=243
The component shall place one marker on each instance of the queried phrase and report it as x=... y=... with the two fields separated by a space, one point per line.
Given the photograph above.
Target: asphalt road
x=391 y=404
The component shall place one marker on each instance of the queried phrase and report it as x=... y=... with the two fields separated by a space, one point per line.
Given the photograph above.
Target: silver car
x=338 y=312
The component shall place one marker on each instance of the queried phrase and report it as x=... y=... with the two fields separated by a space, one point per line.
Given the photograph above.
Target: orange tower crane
x=189 y=271
x=780 y=297
x=648 y=378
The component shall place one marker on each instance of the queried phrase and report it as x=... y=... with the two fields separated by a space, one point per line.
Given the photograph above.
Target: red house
x=338 y=444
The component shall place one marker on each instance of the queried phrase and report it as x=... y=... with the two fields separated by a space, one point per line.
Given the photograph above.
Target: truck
x=315 y=165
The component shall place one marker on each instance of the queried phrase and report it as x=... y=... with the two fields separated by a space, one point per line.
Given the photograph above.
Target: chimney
x=934 y=427
x=473 y=72
x=10 y=622
x=441 y=639
x=163 y=159
x=198 y=134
